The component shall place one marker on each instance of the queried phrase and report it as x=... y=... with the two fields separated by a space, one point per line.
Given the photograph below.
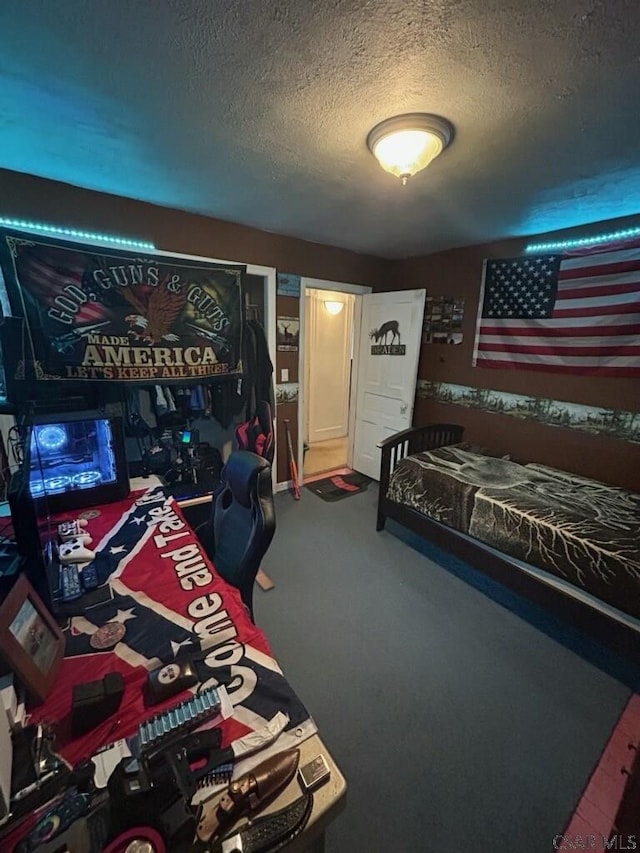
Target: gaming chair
x=256 y=433
x=242 y=521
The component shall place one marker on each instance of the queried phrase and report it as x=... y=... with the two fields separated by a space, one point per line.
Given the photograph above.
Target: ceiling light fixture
x=333 y=307
x=406 y=144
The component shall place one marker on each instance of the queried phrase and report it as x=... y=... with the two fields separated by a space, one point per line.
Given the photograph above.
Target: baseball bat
x=293 y=468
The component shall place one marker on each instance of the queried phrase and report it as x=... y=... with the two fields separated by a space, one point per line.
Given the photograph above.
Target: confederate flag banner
x=169 y=603
x=572 y=312
x=97 y=313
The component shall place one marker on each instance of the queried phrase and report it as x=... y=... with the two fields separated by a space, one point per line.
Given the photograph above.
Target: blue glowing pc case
x=70 y=463
x=77 y=462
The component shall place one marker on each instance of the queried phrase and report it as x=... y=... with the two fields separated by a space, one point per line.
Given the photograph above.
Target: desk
x=168 y=602
x=196 y=510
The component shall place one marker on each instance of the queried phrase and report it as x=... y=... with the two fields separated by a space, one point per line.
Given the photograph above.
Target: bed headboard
x=414 y=440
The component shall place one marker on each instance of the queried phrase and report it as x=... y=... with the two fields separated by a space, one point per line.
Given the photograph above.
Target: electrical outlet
x=284 y=374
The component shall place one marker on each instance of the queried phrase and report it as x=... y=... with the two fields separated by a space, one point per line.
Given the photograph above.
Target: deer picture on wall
x=390 y=327
x=288 y=333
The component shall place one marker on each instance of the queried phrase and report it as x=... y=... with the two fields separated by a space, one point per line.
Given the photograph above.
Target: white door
x=390 y=337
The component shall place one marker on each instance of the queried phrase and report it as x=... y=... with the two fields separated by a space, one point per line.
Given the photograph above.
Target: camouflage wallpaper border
x=611 y=422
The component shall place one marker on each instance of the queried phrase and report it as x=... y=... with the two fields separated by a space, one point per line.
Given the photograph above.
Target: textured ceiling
x=258 y=111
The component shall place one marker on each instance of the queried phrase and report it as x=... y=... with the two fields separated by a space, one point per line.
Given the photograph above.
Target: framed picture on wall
x=442 y=320
x=287 y=392
x=288 y=334
x=31 y=642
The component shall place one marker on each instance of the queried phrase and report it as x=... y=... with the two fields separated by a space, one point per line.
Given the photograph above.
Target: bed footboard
x=414 y=440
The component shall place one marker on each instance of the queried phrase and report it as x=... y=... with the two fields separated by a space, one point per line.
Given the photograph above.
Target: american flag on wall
x=574 y=312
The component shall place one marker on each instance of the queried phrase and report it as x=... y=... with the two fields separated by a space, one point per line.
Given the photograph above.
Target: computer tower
x=77 y=461
x=71 y=462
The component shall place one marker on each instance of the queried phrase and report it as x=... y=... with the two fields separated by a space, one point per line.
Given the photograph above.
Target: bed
x=567 y=542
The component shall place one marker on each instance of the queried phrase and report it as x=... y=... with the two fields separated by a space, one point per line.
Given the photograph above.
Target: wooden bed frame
x=604 y=627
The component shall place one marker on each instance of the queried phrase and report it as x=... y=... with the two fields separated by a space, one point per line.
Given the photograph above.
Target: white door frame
x=342 y=287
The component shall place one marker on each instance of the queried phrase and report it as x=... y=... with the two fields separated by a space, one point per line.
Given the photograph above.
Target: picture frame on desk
x=31 y=641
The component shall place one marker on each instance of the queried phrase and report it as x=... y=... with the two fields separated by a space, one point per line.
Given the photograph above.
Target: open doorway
x=328 y=364
x=328 y=359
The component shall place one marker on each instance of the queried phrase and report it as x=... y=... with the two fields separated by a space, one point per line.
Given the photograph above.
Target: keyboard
x=70 y=582
x=99 y=828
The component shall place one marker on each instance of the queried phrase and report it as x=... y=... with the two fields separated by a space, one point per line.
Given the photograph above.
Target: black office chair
x=242 y=521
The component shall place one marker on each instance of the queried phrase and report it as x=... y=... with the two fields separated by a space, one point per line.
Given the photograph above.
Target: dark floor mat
x=339 y=486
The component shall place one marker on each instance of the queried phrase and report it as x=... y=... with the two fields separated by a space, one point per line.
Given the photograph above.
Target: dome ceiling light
x=406 y=144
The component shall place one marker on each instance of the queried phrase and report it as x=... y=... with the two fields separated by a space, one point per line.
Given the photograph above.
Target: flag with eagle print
x=169 y=604
x=107 y=314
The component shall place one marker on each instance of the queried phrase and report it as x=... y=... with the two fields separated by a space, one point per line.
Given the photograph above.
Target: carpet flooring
x=461 y=721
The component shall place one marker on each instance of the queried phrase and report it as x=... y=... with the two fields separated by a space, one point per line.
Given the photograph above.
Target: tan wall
x=328 y=337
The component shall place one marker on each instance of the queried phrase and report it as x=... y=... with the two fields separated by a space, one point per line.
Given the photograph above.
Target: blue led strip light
x=583 y=241
x=71 y=232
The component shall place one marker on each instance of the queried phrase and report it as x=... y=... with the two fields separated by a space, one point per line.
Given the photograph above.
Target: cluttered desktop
x=81 y=461
x=145 y=706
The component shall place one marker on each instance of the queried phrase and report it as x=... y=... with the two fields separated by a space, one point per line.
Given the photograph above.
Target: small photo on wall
x=287 y=392
x=288 y=284
x=287 y=334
